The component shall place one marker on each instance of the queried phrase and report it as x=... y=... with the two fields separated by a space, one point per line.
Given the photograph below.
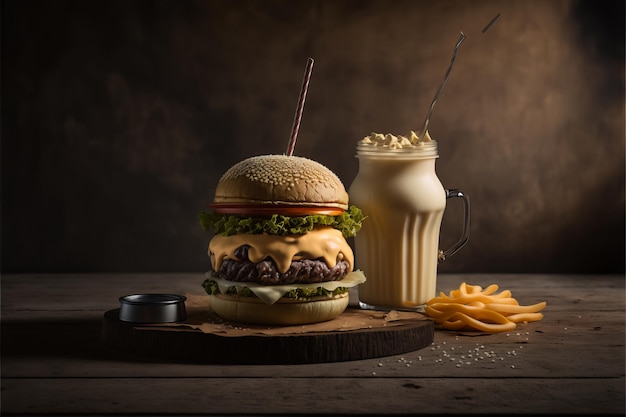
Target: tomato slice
x=269 y=209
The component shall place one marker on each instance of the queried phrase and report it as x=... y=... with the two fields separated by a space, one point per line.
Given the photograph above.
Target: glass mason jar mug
x=398 y=245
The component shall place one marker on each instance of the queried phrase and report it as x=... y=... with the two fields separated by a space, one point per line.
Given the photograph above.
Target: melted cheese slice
x=269 y=294
x=321 y=242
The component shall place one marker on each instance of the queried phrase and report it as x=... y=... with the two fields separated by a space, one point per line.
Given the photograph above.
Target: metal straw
x=443 y=83
x=422 y=133
x=494 y=20
x=300 y=108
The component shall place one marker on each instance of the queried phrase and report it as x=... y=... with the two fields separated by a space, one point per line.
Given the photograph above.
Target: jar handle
x=443 y=255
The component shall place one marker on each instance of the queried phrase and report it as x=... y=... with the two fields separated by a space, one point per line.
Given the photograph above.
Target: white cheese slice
x=269 y=294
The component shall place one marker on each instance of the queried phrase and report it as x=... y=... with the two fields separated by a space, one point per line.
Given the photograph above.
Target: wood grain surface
x=570 y=362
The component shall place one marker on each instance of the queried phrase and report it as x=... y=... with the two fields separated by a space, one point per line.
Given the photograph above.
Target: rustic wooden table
x=571 y=362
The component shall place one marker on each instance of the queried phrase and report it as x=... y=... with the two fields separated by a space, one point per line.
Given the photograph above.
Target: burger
x=279 y=254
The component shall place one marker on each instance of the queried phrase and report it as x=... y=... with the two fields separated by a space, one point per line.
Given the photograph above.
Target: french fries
x=472 y=308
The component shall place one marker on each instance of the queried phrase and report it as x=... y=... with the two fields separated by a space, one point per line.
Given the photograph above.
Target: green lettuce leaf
x=349 y=223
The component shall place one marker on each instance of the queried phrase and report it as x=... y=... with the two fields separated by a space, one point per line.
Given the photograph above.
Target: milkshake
x=397 y=248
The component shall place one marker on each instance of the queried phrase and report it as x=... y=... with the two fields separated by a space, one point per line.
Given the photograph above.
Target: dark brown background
x=118 y=117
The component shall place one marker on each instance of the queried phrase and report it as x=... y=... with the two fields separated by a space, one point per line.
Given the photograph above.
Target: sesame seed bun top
x=281 y=179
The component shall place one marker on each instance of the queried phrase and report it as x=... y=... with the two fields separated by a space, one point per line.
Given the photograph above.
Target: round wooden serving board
x=194 y=345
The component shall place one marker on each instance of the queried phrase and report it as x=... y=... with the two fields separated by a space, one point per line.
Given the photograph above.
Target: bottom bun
x=251 y=310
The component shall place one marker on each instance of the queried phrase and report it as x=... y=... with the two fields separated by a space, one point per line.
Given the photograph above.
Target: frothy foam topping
x=389 y=141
